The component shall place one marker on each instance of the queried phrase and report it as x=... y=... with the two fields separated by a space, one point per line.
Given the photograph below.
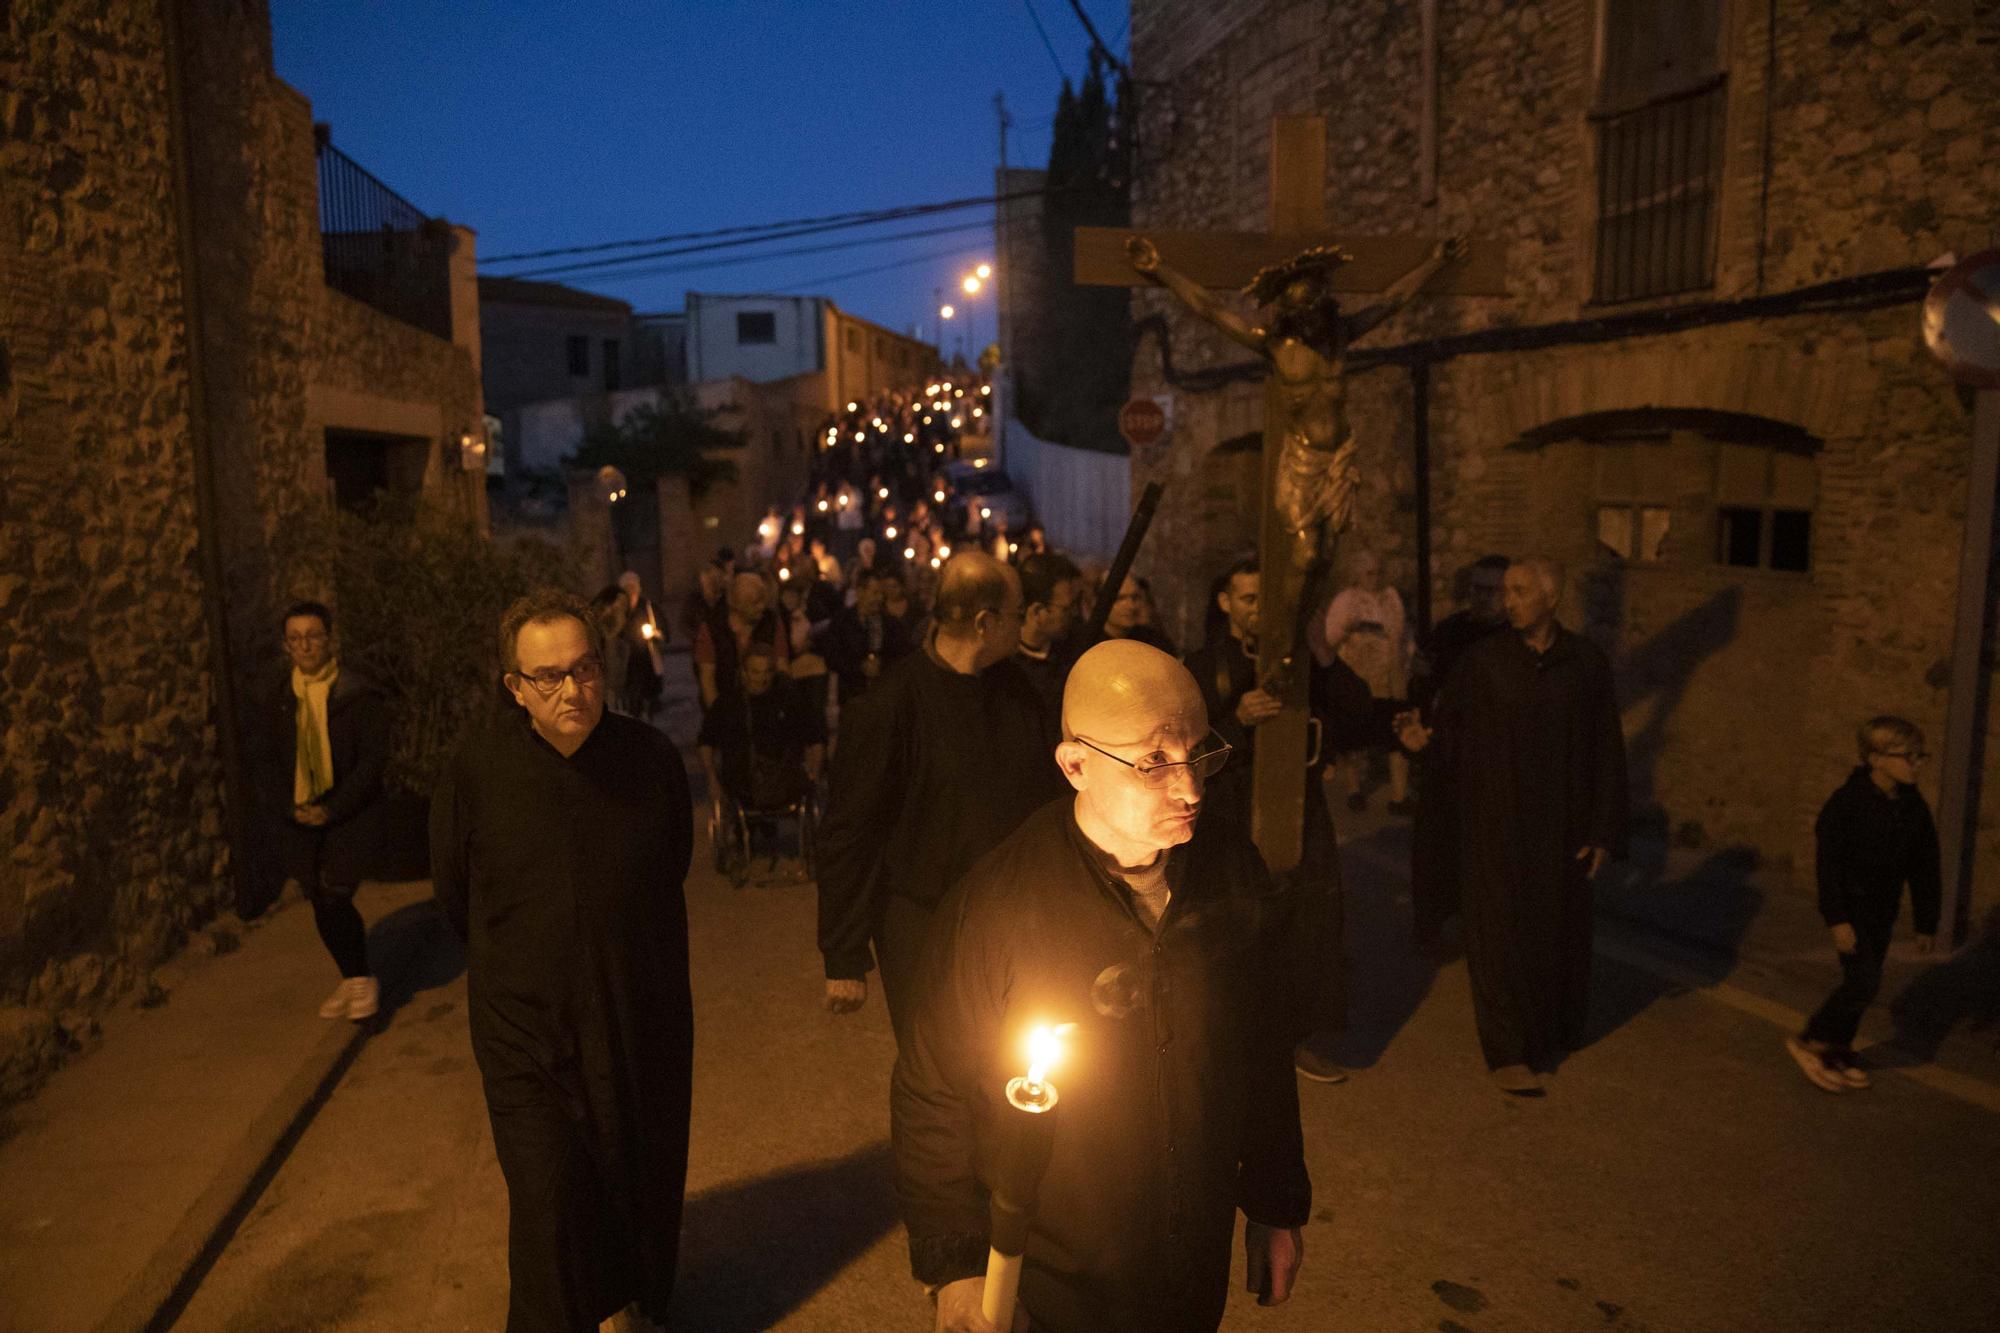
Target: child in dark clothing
x=1875 y=835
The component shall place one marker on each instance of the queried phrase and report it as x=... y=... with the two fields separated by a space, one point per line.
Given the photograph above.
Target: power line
x=1097 y=43
x=1047 y=45
x=855 y=216
x=984 y=201
x=737 y=261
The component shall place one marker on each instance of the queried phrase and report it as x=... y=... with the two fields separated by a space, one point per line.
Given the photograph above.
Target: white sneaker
x=336 y=1003
x=364 y=997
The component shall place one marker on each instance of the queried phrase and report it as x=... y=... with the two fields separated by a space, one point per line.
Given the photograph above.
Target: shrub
x=420 y=594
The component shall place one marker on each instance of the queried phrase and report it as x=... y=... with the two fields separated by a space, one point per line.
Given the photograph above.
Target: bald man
x=1158 y=936
x=943 y=757
x=1529 y=739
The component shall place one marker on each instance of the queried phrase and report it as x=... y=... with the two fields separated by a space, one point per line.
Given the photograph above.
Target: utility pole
x=1003 y=309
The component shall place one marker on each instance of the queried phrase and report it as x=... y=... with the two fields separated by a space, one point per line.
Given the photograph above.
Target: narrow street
x=1680 y=1176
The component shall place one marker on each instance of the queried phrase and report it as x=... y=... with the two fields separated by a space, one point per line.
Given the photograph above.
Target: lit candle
x=1027 y=1141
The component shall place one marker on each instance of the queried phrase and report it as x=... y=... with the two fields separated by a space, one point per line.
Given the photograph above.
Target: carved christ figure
x=1305 y=338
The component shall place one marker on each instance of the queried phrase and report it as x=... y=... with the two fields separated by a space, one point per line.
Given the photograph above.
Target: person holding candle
x=560 y=842
x=1159 y=937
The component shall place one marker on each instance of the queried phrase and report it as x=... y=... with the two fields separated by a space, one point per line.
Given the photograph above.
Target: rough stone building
x=180 y=383
x=1706 y=389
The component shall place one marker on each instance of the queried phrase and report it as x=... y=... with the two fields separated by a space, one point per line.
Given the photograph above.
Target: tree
x=669 y=439
x=1071 y=386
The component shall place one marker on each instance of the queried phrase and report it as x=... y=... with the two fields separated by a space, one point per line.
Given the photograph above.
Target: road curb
x=155 y=1298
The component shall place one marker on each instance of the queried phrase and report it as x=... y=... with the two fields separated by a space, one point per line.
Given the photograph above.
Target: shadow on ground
x=1708 y=911
x=753 y=1252
x=1964 y=989
x=1387 y=978
x=412 y=950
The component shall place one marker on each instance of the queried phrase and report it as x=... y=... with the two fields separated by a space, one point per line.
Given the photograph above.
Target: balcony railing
x=1659 y=175
x=379 y=247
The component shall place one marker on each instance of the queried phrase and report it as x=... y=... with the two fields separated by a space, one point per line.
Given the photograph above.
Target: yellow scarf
x=312 y=775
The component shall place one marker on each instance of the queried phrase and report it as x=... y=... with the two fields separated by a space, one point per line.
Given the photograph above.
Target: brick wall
x=1858 y=137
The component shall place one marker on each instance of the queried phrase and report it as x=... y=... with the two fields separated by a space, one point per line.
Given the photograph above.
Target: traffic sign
x=1962 y=320
x=1142 y=422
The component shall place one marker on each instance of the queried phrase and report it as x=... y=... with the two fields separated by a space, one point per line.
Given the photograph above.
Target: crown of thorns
x=1318 y=262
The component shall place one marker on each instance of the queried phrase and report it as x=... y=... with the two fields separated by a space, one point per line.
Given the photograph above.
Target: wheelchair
x=739 y=830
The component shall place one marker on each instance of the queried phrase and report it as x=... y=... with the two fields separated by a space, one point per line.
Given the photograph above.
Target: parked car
x=989 y=488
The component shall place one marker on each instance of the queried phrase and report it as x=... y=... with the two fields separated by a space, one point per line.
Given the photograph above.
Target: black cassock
x=565 y=878
x=1531 y=746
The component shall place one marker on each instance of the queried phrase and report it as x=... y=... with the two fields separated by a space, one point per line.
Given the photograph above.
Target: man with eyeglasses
x=560 y=842
x=326 y=746
x=1875 y=835
x=1123 y=911
x=943 y=757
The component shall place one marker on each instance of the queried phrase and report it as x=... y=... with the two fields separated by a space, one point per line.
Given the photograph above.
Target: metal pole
x=1958 y=780
x=1420 y=456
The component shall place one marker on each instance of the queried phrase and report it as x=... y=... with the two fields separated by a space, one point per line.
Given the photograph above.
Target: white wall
x=713 y=353
x=548 y=430
x=1083 y=498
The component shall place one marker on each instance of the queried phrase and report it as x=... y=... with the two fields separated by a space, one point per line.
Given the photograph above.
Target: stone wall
x=111 y=781
x=110 y=800
x=1873 y=147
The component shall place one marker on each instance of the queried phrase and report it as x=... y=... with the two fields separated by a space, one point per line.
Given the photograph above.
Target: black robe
x=1532 y=747
x=933 y=768
x=565 y=878
x=1434 y=891
x=1178 y=1103
x=1348 y=718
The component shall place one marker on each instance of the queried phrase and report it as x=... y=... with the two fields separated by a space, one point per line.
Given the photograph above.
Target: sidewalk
x=118 y=1177
x=1751 y=938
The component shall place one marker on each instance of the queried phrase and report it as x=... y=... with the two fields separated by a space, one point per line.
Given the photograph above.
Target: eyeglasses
x=1204 y=763
x=301 y=640
x=546 y=683
x=1914 y=756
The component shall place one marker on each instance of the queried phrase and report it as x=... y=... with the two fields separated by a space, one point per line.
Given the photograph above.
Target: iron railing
x=1659 y=176
x=379 y=247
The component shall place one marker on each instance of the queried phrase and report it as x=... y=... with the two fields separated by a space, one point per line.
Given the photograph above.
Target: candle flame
x=1045 y=1050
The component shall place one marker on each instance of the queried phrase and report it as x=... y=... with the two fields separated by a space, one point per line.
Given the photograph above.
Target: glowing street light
x=983 y=272
x=946 y=311
x=971 y=285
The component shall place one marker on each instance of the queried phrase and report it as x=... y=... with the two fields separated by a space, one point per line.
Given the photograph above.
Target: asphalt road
x=1681 y=1175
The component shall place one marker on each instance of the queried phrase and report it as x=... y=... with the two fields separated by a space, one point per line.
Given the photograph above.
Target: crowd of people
x=1034 y=812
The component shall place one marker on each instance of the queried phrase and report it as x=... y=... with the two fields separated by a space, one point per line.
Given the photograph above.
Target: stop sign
x=1142 y=421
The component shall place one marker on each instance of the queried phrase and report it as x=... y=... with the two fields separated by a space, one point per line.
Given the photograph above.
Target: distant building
x=213 y=324
x=543 y=340
x=765 y=338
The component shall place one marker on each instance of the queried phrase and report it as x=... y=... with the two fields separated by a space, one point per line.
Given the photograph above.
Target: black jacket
x=932 y=770
x=1870 y=845
x=357 y=724
x=1178 y=1102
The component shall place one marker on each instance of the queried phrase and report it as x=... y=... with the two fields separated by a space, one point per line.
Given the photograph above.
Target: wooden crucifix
x=1296 y=269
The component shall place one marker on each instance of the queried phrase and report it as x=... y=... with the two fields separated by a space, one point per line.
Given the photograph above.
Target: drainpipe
x=1420 y=457
x=208 y=542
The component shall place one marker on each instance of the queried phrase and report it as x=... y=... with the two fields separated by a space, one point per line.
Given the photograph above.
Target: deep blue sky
x=543 y=125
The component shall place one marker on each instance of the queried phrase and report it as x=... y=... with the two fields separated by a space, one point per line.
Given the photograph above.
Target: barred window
x=1660 y=113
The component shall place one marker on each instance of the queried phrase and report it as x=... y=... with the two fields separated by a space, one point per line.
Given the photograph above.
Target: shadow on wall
x=1656 y=672
x=753 y=1252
